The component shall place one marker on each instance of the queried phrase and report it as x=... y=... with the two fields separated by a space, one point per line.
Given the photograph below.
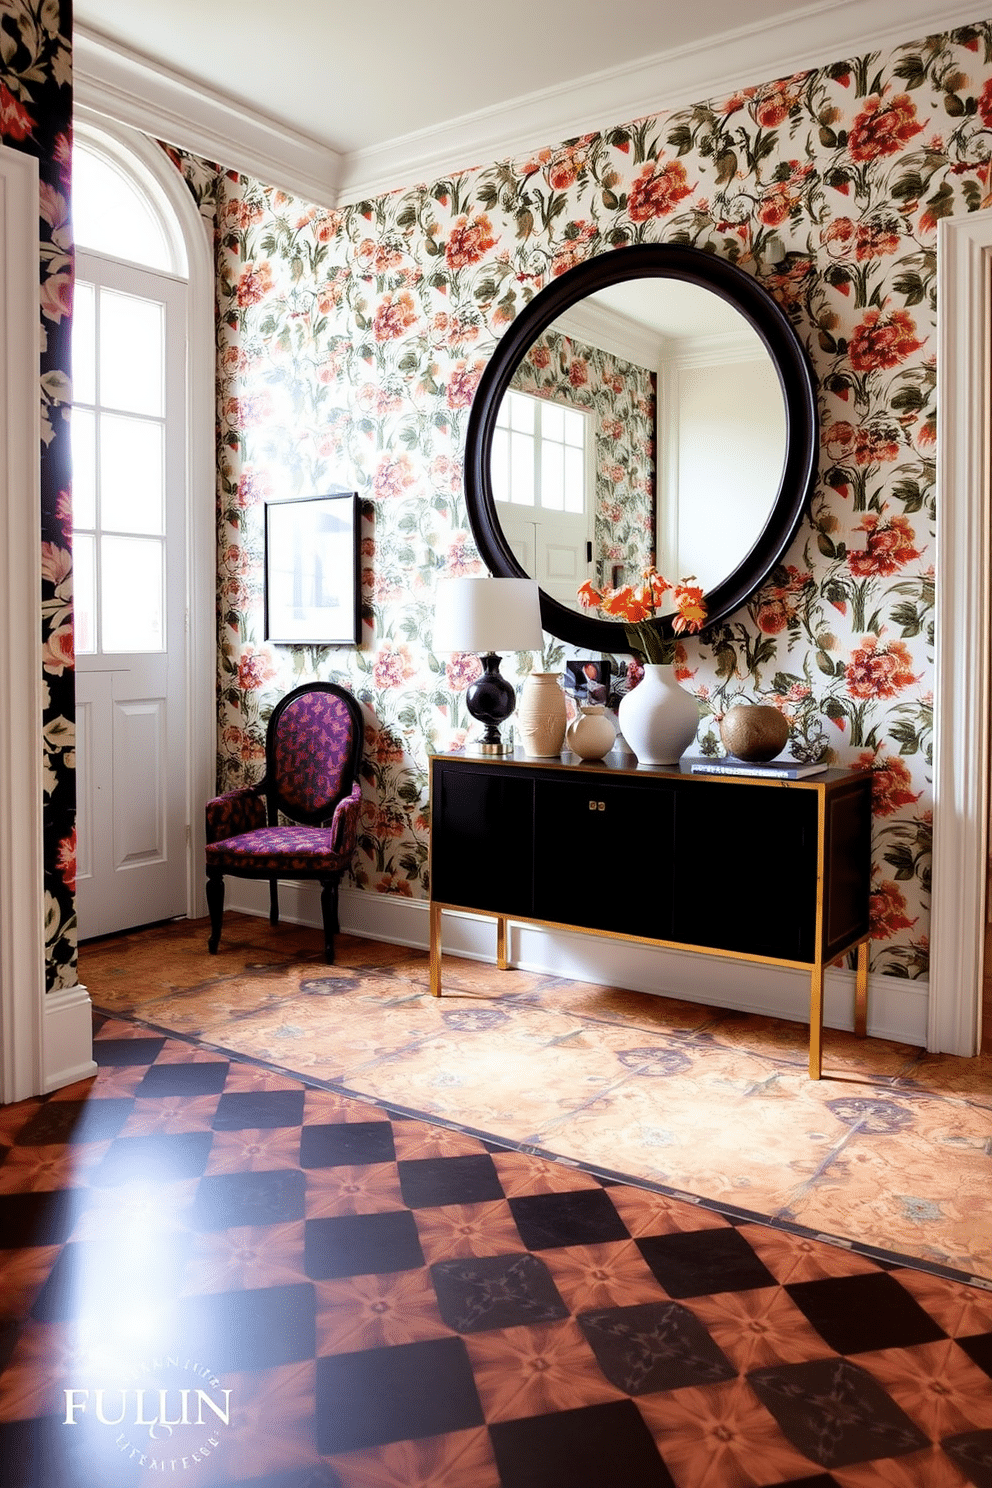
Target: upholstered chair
x=301 y=820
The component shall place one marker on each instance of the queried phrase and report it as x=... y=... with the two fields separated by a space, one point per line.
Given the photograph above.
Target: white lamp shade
x=482 y=614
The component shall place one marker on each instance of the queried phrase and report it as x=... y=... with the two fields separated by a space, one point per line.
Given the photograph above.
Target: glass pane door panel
x=84 y=344
x=552 y=477
x=132 y=608
x=132 y=475
x=83 y=431
x=522 y=470
x=84 y=591
x=132 y=353
x=575 y=480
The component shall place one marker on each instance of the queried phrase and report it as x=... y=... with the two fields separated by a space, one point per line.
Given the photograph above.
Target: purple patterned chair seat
x=313 y=748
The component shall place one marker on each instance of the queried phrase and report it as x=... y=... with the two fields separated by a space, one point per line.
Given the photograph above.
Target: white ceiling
x=375 y=94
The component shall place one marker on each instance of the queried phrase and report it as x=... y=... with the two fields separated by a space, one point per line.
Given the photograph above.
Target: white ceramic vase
x=541 y=715
x=592 y=733
x=658 y=719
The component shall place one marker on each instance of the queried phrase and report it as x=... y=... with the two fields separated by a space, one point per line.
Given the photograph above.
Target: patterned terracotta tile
x=461 y=1459
x=531 y=1371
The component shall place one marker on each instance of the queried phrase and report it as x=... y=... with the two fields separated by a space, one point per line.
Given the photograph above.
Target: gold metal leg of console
x=816 y=1021
x=501 y=960
x=861 y=992
x=435 y=949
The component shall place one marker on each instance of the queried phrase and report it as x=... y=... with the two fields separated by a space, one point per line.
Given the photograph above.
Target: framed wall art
x=311 y=570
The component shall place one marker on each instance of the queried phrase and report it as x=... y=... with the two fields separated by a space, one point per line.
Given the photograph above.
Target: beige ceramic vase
x=592 y=733
x=541 y=715
x=754 y=731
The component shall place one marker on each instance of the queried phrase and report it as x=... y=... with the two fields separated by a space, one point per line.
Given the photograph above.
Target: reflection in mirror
x=647 y=423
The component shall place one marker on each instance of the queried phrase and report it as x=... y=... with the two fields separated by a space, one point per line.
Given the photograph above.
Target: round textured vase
x=592 y=733
x=754 y=731
x=658 y=718
x=541 y=715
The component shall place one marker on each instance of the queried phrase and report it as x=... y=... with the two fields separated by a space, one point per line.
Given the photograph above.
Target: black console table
x=767 y=870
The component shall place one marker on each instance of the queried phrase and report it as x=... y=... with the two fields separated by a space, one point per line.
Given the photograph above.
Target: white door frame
x=962 y=636
x=22 y=916
x=201 y=487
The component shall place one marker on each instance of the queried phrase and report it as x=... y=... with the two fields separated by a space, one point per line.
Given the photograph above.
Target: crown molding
x=134 y=90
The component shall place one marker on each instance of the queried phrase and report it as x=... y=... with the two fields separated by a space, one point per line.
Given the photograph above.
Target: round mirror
x=652 y=405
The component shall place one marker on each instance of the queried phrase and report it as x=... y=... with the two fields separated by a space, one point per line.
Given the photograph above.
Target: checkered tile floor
x=214 y=1273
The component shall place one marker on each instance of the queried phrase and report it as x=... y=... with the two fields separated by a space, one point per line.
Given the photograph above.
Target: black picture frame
x=312 y=593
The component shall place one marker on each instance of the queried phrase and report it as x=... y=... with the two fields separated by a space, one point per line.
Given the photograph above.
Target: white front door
x=129 y=504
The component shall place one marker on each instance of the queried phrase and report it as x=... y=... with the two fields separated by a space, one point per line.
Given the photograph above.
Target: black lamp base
x=490 y=699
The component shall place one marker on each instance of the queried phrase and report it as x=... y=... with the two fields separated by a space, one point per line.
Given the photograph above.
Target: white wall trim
x=149 y=96
x=962 y=635
x=67 y=1038
x=22 y=915
x=897 y=1009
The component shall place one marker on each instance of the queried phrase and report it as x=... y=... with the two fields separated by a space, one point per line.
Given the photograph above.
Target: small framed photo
x=311 y=571
x=589 y=680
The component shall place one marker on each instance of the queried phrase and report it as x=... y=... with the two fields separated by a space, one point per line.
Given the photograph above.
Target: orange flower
x=691 y=607
x=589 y=598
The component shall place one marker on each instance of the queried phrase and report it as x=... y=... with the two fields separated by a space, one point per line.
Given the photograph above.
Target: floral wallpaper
x=36 y=116
x=622 y=398
x=351 y=342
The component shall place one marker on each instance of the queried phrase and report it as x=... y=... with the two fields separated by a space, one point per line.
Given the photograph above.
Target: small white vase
x=592 y=733
x=658 y=718
x=541 y=715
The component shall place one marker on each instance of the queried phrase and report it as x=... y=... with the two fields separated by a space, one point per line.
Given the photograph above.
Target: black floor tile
x=226 y=1199
x=835 y=1412
x=59 y=1121
x=347 y=1144
x=855 y=1314
x=979 y=1350
x=695 y=1263
x=476 y=1293
x=971 y=1451
x=205 y=1078
x=154 y=1159
x=582 y=1216
x=43 y=1218
x=432 y=1181
x=406 y=1392
x=254 y=1329
x=362 y=1245
x=592 y=1447
x=259 y=1110
x=654 y=1346
x=119 y=1052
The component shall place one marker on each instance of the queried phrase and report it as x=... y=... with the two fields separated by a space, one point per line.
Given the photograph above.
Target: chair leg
x=273 y=901
x=329 y=915
x=215 y=904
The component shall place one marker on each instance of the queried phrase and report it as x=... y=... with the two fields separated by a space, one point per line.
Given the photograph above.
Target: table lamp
x=488 y=615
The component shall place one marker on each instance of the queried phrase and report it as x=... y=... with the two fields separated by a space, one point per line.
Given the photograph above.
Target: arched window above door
x=119 y=209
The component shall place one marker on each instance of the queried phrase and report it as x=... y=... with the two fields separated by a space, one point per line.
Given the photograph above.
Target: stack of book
x=776 y=769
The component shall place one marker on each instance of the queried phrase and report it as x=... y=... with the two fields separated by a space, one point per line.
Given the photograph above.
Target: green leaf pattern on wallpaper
x=351 y=342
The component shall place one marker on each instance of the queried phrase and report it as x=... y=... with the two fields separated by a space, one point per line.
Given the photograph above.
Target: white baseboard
x=67 y=1038
x=897 y=1008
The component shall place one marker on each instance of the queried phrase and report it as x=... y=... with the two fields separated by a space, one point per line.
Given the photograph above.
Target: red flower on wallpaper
x=891 y=783
x=872 y=239
x=255 y=283
x=255 y=668
x=463 y=382
x=396 y=314
x=58 y=652
x=887 y=911
x=890 y=545
x=985 y=104
x=66 y=860
x=15 y=121
x=777 y=603
x=883 y=129
x=469 y=241
x=866 y=444
x=883 y=341
x=879 y=669
x=658 y=190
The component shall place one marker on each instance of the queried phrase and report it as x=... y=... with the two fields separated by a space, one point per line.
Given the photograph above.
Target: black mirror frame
x=762 y=312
